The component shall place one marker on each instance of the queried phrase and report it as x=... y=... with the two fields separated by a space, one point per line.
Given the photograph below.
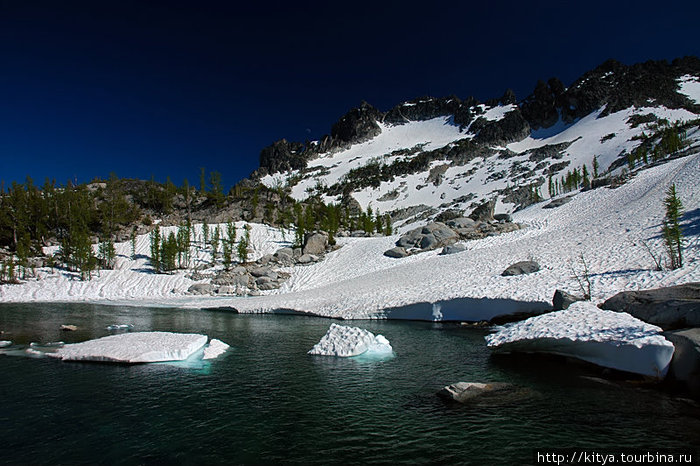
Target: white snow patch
x=139 y=347
x=606 y=338
x=690 y=86
x=214 y=349
x=350 y=341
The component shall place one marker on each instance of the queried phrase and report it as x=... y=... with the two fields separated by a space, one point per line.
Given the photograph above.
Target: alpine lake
x=267 y=401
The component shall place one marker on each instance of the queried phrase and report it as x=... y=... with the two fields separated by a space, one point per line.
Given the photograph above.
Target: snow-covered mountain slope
x=608 y=226
x=445 y=154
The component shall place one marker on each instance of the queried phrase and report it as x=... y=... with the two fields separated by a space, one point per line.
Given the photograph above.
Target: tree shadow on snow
x=618 y=273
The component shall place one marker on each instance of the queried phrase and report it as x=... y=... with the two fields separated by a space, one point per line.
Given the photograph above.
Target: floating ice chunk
x=120 y=327
x=350 y=341
x=214 y=349
x=134 y=348
x=50 y=344
x=5 y=343
x=606 y=338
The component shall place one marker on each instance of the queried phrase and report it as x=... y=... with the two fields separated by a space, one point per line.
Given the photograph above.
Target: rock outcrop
x=670 y=308
x=521 y=268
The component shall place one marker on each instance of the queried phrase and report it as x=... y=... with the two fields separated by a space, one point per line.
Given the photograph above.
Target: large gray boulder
x=483 y=212
x=315 y=244
x=461 y=223
x=453 y=249
x=464 y=392
x=200 y=288
x=521 y=268
x=685 y=365
x=670 y=308
x=396 y=253
x=430 y=236
x=562 y=300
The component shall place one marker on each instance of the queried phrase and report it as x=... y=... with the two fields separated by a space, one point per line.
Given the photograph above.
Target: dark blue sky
x=147 y=88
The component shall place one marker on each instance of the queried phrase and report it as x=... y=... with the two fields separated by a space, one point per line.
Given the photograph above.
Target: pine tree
x=596 y=167
x=205 y=232
x=107 y=254
x=133 y=242
x=242 y=250
x=227 y=254
x=215 y=240
x=231 y=232
x=388 y=230
x=155 y=249
x=586 y=181
x=673 y=236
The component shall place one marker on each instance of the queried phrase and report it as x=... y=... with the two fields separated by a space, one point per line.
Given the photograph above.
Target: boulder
x=239 y=270
x=453 y=249
x=462 y=222
x=464 y=392
x=260 y=271
x=69 y=328
x=557 y=202
x=483 y=212
x=396 y=253
x=670 y=308
x=430 y=236
x=200 y=288
x=269 y=286
x=315 y=243
x=521 y=268
x=307 y=259
x=685 y=365
x=503 y=217
x=562 y=300
x=226 y=289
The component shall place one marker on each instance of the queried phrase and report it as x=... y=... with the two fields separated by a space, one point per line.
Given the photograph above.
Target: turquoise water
x=267 y=401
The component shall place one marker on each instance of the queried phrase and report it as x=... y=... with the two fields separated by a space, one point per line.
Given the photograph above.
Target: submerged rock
x=466 y=391
x=68 y=328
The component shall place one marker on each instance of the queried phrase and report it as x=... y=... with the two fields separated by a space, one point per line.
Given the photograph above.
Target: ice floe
x=5 y=343
x=606 y=338
x=138 y=347
x=346 y=341
x=214 y=349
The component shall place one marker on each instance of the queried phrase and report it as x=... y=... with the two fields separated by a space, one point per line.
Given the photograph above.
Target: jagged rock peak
x=358 y=124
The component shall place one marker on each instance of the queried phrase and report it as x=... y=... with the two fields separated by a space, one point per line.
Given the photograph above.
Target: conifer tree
x=388 y=230
x=242 y=250
x=132 y=238
x=155 y=249
x=205 y=232
x=673 y=236
x=586 y=181
x=596 y=167
x=215 y=240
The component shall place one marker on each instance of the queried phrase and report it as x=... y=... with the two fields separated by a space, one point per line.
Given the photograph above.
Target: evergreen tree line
x=667 y=140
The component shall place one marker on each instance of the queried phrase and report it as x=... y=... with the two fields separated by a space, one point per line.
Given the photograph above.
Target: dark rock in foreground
x=670 y=308
x=562 y=300
x=464 y=392
x=685 y=365
x=521 y=268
